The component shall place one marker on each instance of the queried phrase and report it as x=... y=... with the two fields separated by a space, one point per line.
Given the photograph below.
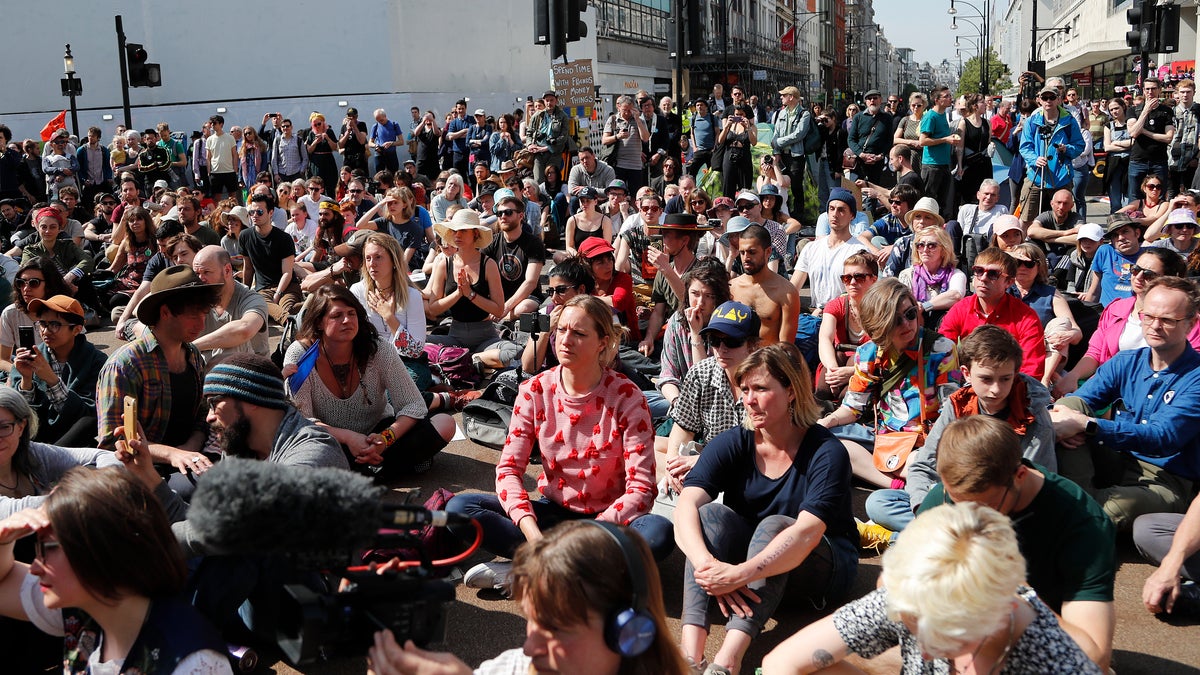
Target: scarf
x=965 y=402
x=923 y=280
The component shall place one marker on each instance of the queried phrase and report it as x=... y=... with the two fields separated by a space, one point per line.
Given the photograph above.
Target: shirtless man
x=773 y=298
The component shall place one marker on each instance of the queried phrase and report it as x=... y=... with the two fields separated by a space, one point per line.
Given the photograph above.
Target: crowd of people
x=713 y=335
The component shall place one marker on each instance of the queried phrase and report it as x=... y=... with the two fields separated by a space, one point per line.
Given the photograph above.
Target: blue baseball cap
x=737 y=224
x=846 y=197
x=733 y=319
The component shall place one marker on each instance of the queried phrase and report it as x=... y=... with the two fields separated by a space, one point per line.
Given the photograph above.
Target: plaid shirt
x=57 y=393
x=139 y=369
x=707 y=406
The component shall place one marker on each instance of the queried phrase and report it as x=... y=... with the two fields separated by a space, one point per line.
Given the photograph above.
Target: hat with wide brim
x=680 y=222
x=1119 y=221
x=507 y=166
x=465 y=219
x=170 y=283
x=926 y=205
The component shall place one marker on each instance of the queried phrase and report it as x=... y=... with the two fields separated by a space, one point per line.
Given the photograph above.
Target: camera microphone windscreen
x=251 y=507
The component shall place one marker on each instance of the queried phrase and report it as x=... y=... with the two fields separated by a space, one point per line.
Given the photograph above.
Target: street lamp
x=850 y=51
x=981 y=45
x=985 y=35
x=824 y=16
x=72 y=87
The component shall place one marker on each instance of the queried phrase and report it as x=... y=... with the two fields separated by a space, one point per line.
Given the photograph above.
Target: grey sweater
x=50 y=462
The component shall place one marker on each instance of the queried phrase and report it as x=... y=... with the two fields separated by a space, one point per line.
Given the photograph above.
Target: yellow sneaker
x=873 y=537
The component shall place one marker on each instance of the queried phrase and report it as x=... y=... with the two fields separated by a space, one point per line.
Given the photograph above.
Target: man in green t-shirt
x=1068 y=542
x=938 y=143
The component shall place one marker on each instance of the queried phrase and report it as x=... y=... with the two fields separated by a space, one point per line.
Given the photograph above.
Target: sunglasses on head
x=715 y=341
x=985 y=273
x=857 y=277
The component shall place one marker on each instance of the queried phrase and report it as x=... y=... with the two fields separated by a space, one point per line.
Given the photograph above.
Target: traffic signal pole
x=124 y=74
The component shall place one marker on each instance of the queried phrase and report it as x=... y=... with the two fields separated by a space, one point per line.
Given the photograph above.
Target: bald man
x=238 y=322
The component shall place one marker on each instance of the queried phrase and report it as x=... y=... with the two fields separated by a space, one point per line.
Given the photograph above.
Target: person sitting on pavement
x=883 y=235
x=842 y=329
x=37 y=279
x=1110 y=273
x=270 y=261
x=571 y=585
x=1119 y=327
x=593 y=430
x=924 y=214
x=394 y=304
x=1145 y=459
x=613 y=286
x=1072 y=274
x=934 y=278
x=1031 y=284
x=786 y=516
x=992 y=304
x=708 y=401
x=1067 y=541
x=953 y=596
x=820 y=262
x=519 y=255
x=127 y=326
x=570 y=278
x=59 y=376
x=341 y=374
x=773 y=298
x=991 y=360
x=163 y=370
x=680 y=236
x=467 y=286
x=707 y=286
x=239 y=320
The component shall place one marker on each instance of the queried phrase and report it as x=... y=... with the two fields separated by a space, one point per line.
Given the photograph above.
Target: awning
x=1084 y=59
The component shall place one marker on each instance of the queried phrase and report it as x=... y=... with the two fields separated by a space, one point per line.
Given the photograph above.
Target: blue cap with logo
x=733 y=319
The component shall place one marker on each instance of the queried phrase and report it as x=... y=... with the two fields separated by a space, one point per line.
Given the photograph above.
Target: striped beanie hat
x=247 y=377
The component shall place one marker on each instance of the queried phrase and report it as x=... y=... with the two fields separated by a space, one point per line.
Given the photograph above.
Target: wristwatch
x=1091 y=428
x=474 y=294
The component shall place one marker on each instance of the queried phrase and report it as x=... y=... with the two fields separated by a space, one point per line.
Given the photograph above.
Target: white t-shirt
x=824 y=267
x=220 y=153
x=983 y=224
x=50 y=621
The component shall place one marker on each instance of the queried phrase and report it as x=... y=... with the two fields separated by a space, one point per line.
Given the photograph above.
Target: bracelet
x=388 y=436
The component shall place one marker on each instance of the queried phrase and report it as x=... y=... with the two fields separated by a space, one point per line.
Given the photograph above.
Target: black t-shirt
x=912 y=178
x=353 y=147
x=1146 y=149
x=184 y=407
x=266 y=254
x=513 y=257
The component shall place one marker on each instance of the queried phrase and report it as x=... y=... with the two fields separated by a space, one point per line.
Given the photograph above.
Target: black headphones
x=629 y=631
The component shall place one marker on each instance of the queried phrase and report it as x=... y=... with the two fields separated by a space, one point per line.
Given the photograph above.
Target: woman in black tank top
x=468 y=285
x=589 y=222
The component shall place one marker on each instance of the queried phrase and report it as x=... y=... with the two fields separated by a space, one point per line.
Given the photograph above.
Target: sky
x=922 y=25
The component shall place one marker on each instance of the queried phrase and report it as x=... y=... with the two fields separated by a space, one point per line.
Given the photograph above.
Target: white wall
x=305 y=54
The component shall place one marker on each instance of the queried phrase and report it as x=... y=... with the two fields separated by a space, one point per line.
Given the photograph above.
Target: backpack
x=608 y=153
x=453 y=365
x=812 y=140
x=487 y=418
x=438 y=543
x=288 y=335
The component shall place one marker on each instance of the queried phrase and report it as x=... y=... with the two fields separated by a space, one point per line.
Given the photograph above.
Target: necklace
x=341 y=372
x=12 y=488
x=1012 y=625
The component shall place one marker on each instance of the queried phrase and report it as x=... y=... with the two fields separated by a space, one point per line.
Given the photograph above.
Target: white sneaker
x=489 y=575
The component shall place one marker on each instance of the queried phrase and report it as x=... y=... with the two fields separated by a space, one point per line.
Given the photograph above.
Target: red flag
x=59 y=122
x=789 y=40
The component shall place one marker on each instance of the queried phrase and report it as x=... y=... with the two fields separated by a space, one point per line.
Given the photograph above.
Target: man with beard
x=680 y=237
x=520 y=255
x=163 y=370
x=247 y=406
x=772 y=297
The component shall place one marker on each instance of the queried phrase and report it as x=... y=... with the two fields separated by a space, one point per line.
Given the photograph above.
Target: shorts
x=223 y=182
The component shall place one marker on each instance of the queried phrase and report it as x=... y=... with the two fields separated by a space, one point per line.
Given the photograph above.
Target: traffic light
x=1142 y=36
x=694 y=27
x=541 y=22
x=1167 y=28
x=574 y=26
x=141 y=73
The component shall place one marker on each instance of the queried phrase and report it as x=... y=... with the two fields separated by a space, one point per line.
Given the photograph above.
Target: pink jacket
x=1104 y=343
x=597 y=450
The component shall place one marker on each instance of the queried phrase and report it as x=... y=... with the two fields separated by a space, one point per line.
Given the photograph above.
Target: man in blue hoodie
x=1049 y=141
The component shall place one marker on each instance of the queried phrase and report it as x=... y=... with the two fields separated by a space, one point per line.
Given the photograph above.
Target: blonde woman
x=934 y=278
x=451 y=195
x=394 y=305
x=952 y=595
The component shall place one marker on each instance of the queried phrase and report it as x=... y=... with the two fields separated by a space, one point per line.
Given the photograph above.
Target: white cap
x=1091 y=232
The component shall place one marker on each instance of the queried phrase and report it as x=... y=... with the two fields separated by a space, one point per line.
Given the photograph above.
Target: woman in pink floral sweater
x=593 y=429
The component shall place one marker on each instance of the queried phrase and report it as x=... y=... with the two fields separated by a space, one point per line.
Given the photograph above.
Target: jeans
x=1080 y=180
x=825 y=575
x=890 y=508
x=501 y=536
x=794 y=167
x=1138 y=171
x=938 y=183
x=657 y=403
x=1118 y=177
x=1180 y=180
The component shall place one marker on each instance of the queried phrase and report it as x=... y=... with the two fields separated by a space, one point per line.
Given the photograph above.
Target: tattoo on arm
x=774 y=555
x=822 y=658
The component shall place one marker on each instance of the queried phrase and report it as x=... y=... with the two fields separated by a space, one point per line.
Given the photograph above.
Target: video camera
x=324 y=523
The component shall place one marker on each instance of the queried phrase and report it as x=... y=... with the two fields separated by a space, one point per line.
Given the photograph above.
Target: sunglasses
x=1147 y=275
x=746 y=205
x=42 y=546
x=908 y=316
x=32 y=283
x=559 y=290
x=258 y=212
x=651 y=209
x=1184 y=226
x=504 y=213
x=927 y=245
x=356 y=192
x=313 y=188
x=896 y=202
x=1153 y=186
x=715 y=341
x=1048 y=97
x=985 y=273
x=857 y=277
x=1027 y=264
x=285 y=126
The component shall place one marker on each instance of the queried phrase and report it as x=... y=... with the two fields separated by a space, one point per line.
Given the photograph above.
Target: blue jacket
x=1058 y=173
x=1157 y=415
x=82 y=155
